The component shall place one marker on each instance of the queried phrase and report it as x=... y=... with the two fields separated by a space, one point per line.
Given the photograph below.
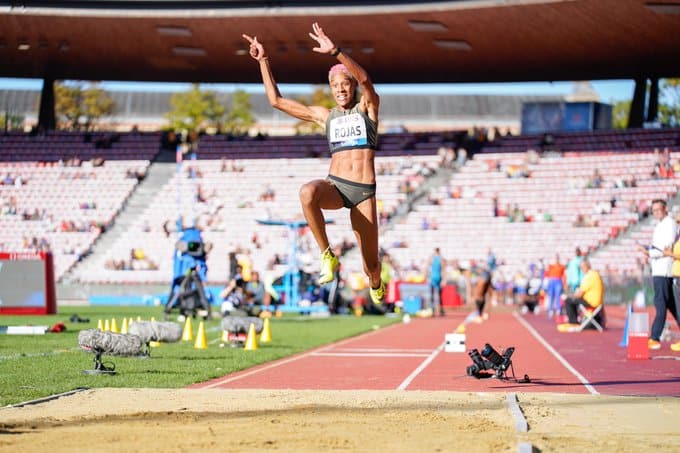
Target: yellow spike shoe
x=329 y=265
x=378 y=294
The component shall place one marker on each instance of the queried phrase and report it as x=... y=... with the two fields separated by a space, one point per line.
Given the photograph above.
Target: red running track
x=411 y=357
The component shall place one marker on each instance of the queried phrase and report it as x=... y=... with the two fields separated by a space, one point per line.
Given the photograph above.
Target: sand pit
x=249 y=420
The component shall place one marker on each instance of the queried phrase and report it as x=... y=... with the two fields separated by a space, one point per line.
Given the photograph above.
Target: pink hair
x=339 y=68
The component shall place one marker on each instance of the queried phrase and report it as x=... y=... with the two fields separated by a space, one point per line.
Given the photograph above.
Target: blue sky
x=609 y=90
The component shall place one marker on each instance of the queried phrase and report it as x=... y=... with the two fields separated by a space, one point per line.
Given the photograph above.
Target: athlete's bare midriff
x=354 y=165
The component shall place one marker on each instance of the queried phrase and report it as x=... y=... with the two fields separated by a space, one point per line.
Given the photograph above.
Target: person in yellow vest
x=590 y=294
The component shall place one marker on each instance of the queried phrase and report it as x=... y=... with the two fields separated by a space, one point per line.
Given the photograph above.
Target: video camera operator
x=189 y=271
x=236 y=299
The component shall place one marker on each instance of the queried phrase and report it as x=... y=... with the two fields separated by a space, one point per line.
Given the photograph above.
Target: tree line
x=82 y=106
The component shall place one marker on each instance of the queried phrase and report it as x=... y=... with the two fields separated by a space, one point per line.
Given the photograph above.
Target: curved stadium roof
x=397 y=41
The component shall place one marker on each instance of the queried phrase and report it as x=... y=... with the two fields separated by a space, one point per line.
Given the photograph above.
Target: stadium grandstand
x=119 y=188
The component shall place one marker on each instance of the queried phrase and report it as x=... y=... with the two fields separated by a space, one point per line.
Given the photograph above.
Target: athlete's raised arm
x=315 y=114
x=369 y=98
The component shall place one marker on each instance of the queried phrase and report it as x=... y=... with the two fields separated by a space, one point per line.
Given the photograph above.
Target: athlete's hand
x=325 y=43
x=256 y=49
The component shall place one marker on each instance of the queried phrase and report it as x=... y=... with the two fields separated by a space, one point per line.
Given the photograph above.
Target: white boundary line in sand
x=521 y=424
x=420 y=368
x=557 y=355
x=228 y=379
x=47 y=398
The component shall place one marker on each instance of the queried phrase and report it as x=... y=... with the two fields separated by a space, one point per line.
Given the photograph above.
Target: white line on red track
x=420 y=368
x=369 y=354
x=557 y=355
x=393 y=350
x=228 y=379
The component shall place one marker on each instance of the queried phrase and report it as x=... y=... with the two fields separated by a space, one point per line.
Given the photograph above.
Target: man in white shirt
x=662 y=275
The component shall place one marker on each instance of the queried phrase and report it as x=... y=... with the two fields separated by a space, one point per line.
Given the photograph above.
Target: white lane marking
x=420 y=368
x=368 y=354
x=427 y=351
x=557 y=355
x=229 y=379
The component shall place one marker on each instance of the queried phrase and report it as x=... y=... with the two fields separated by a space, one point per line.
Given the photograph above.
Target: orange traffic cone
x=188 y=332
x=201 y=342
x=266 y=335
x=251 y=340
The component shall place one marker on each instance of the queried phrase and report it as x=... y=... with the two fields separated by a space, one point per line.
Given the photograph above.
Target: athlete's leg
x=364 y=220
x=314 y=196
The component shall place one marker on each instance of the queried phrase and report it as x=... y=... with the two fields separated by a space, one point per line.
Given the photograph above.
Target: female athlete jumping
x=352 y=131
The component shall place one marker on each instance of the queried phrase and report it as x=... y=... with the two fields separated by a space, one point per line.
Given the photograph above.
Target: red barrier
x=450 y=296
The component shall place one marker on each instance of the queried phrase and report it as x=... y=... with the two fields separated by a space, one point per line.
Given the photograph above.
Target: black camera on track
x=489 y=362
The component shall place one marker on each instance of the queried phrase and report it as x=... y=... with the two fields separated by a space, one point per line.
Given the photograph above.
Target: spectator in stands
x=268 y=194
x=665 y=234
x=602 y=207
x=495 y=209
x=590 y=294
x=351 y=128
x=456 y=193
x=7 y=180
x=9 y=207
x=582 y=220
x=595 y=181
x=662 y=167
x=515 y=214
x=517 y=171
x=675 y=166
x=547 y=217
x=136 y=173
x=461 y=157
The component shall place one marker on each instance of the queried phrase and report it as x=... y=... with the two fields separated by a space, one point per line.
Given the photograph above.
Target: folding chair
x=589 y=316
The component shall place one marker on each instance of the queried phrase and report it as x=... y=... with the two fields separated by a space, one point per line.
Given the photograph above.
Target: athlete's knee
x=308 y=193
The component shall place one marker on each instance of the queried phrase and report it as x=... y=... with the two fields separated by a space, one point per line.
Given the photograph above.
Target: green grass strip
x=36 y=366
